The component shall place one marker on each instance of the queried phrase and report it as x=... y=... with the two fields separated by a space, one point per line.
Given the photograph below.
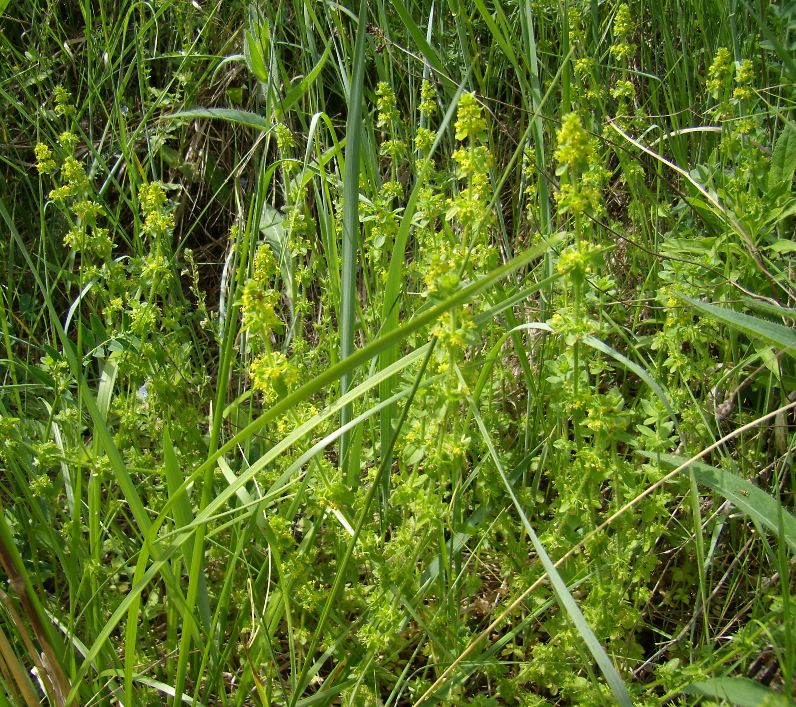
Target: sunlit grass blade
x=351 y=229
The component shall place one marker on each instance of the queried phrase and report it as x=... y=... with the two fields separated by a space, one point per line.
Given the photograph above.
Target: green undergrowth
x=399 y=353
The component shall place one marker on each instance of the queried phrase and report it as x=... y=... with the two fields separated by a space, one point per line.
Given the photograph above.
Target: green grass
x=397 y=354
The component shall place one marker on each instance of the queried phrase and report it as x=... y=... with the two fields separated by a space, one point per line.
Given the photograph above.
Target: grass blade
x=351 y=229
x=744 y=495
x=230 y=115
x=771 y=332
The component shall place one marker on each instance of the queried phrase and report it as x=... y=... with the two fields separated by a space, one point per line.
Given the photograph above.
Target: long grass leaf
x=351 y=235
x=744 y=495
x=770 y=332
x=230 y=115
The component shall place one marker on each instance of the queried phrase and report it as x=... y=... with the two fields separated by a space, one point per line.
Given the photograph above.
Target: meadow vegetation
x=397 y=353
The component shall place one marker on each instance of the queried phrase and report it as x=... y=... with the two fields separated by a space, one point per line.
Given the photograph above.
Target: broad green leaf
x=741 y=692
x=254 y=58
x=776 y=310
x=771 y=332
x=744 y=495
x=257 y=44
x=783 y=159
x=783 y=246
x=105 y=388
x=294 y=93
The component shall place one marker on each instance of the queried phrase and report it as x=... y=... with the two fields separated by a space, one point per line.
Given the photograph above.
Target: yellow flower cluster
x=744 y=76
x=44 y=159
x=622 y=29
x=470 y=123
x=272 y=374
x=63 y=105
x=424 y=139
x=158 y=221
x=428 y=99
x=75 y=180
x=84 y=236
x=578 y=158
x=258 y=307
x=259 y=300
x=577 y=262
x=720 y=72
x=576 y=148
x=386 y=105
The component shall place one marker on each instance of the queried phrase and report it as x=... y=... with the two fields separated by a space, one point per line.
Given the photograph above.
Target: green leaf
x=351 y=228
x=767 y=308
x=295 y=93
x=428 y=52
x=706 y=211
x=783 y=246
x=258 y=44
x=231 y=115
x=254 y=58
x=783 y=159
x=771 y=332
x=738 y=691
x=744 y=495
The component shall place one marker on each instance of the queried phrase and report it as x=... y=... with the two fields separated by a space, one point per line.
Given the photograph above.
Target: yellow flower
x=44 y=159
x=576 y=148
x=469 y=121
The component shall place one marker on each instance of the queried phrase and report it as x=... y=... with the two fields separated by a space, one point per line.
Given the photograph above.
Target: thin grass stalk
x=18 y=682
